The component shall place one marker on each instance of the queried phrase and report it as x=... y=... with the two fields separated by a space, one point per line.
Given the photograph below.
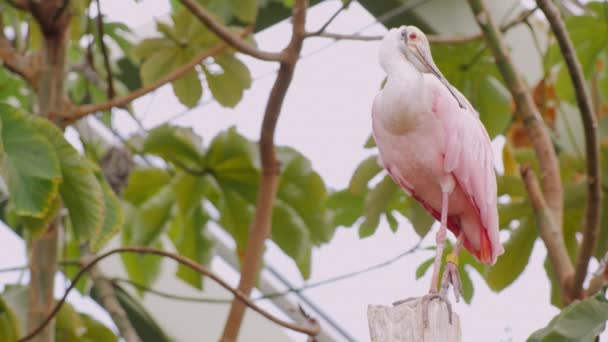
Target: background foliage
x=191 y=184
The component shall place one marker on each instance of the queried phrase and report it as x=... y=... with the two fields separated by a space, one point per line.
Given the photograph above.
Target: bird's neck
x=404 y=98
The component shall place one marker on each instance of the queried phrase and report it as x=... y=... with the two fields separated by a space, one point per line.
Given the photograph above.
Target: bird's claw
x=450 y=276
x=426 y=300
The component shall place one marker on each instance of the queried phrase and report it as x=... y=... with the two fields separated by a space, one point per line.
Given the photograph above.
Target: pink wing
x=470 y=159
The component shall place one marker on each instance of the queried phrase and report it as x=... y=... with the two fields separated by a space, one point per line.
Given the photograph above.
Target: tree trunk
x=404 y=322
x=51 y=92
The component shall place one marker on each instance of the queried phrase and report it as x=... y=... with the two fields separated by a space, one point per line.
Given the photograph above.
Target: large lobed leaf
x=29 y=165
x=581 y=321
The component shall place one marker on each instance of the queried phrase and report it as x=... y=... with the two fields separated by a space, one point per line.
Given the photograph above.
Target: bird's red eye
x=412 y=36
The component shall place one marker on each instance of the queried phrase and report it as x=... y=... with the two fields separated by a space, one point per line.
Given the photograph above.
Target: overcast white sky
x=327 y=117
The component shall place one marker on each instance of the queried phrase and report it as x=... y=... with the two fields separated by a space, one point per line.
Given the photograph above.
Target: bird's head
x=411 y=43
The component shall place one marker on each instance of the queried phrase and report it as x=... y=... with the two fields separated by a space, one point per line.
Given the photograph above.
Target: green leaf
x=370 y=142
x=581 y=321
x=289 y=231
x=141 y=268
x=153 y=215
x=29 y=164
x=68 y=324
x=188 y=88
x=376 y=202
x=113 y=220
x=80 y=190
x=16 y=297
x=150 y=46
x=421 y=220
x=9 y=325
x=244 y=10
x=145 y=182
x=96 y=331
x=493 y=104
x=366 y=170
x=179 y=145
x=517 y=252
x=304 y=191
x=189 y=192
x=144 y=324
x=424 y=267
x=228 y=85
x=158 y=65
x=304 y=264
x=188 y=235
x=345 y=207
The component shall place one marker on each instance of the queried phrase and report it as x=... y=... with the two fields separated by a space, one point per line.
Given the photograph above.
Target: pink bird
x=434 y=146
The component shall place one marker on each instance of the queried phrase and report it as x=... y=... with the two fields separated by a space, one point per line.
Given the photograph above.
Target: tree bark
x=261 y=226
x=51 y=90
x=405 y=322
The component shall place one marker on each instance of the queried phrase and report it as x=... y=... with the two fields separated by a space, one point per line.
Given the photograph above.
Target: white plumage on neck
x=403 y=100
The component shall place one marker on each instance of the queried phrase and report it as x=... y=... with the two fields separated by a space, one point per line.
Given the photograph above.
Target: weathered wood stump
x=404 y=322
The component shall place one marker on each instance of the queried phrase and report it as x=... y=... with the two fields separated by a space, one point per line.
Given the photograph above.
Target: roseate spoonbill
x=433 y=145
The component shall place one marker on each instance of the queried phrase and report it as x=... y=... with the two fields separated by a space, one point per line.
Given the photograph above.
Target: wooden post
x=404 y=322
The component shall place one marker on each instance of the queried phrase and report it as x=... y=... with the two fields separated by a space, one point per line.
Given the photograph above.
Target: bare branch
x=436 y=39
x=312 y=331
x=104 y=51
x=588 y=115
x=535 y=129
x=550 y=233
x=261 y=226
x=78 y=112
x=344 y=6
x=226 y=35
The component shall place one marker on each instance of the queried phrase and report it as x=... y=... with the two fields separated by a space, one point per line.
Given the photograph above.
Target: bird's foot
x=426 y=300
x=450 y=276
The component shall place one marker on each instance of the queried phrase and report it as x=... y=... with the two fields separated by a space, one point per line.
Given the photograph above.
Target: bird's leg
x=440 y=238
x=450 y=274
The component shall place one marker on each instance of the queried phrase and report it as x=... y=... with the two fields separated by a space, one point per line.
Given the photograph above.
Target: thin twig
x=272 y=295
x=552 y=192
x=227 y=36
x=344 y=6
x=104 y=52
x=436 y=39
x=312 y=331
x=592 y=150
x=78 y=112
x=261 y=226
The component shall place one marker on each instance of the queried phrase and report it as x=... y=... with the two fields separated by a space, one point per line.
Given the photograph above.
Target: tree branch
x=550 y=233
x=536 y=131
x=261 y=226
x=436 y=39
x=108 y=301
x=588 y=115
x=16 y=62
x=104 y=52
x=312 y=331
x=78 y=112
x=226 y=35
x=344 y=6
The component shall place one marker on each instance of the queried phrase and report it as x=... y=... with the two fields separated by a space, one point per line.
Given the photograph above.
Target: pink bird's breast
x=417 y=158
